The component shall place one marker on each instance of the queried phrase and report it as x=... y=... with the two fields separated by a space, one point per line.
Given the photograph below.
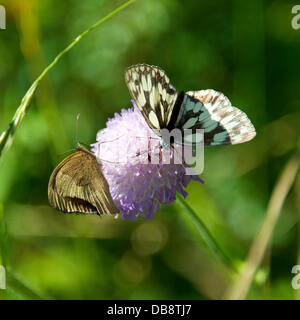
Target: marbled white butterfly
x=164 y=108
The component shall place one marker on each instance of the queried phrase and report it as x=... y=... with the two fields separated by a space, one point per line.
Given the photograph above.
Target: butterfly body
x=164 y=108
x=77 y=184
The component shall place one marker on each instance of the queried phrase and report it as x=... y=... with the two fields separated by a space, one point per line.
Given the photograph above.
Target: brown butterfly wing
x=66 y=203
x=78 y=185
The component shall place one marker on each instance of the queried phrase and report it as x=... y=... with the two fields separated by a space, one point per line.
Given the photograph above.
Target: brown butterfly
x=77 y=184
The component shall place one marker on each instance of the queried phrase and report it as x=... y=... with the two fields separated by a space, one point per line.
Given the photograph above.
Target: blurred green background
x=247 y=50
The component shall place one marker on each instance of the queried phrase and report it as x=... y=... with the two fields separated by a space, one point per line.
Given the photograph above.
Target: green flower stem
x=205 y=233
x=6 y=137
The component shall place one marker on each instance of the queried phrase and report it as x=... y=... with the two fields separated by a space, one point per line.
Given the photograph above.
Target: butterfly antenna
x=83 y=144
x=77 y=122
x=60 y=154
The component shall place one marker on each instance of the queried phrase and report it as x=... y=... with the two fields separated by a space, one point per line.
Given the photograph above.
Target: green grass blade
x=6 y=137
x=205 y=233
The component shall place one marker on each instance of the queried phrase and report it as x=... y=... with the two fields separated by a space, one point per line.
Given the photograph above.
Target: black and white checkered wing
x=212 y=111
x=151 y=90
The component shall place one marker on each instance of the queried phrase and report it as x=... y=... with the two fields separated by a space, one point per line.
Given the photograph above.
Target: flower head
x=138 y=182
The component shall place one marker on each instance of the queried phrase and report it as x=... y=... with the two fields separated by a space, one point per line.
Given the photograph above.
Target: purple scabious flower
x=125 y=148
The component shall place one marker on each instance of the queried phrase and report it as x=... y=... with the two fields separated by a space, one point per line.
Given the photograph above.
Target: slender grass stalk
x=240 y=288
x=6 y=137
x=205 y=233
x=15 y=283
x=12 y=280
